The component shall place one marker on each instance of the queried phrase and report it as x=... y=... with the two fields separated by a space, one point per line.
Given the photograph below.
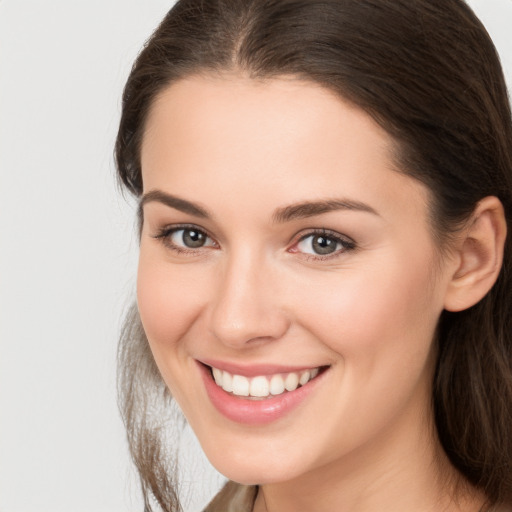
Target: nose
x=245 y=307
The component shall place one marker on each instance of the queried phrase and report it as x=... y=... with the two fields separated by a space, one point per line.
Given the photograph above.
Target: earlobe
x=480 y=256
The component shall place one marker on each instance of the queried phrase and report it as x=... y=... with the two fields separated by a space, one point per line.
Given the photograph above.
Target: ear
x=479 y=256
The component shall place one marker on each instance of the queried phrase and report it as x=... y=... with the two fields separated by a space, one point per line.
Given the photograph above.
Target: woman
x=324 y=275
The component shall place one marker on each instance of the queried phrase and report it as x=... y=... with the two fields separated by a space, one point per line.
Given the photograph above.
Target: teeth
x=227 y=382
x=217 y=375
x=240 y=385
x=259 y=387
x=304 y=377
x=262 y=386
x=291 y=382
x=276 y=385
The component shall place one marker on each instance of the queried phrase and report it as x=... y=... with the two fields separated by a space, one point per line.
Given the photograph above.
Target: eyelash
x=347 y=244
x=165 y=234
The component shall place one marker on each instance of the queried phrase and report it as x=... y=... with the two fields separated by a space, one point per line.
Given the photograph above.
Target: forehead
x=250 y=113
x=298 y=138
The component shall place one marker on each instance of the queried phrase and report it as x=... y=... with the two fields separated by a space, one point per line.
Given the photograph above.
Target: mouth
x=262 y=394
x=263 y=387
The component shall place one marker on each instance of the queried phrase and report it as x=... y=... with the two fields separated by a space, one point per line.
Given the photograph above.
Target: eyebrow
x=312 y=208
x=281 y=215
x=173 y=202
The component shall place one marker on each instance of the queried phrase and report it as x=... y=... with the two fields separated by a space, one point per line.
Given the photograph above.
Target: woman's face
x=280 y=243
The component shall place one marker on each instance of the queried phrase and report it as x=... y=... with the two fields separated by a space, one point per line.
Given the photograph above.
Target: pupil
x=323 y=245
x=193 y=239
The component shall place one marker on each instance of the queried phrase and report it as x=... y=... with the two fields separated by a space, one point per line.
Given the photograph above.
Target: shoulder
x=233 y=497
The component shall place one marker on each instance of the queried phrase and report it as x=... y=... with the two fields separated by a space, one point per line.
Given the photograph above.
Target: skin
x=257 y=293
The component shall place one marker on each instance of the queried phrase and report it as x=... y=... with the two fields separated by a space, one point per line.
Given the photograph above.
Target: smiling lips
x=260 y=393
x=262 y=386
x=263 y=394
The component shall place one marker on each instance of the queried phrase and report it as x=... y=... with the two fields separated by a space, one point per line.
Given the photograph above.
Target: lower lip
x=255 y=412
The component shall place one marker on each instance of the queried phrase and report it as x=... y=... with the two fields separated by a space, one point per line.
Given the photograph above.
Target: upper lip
x=254 y=370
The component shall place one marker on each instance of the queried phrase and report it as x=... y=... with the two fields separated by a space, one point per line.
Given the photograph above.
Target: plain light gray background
x=68 y=251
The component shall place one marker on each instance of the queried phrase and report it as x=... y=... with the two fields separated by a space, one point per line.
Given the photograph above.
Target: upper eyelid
x=297 y=236
x=322 y=231
x=169 y=228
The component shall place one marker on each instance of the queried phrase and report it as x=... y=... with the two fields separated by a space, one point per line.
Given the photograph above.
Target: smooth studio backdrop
x=68 y=252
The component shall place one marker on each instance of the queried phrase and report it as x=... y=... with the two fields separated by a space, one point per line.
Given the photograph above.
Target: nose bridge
x=245 y=304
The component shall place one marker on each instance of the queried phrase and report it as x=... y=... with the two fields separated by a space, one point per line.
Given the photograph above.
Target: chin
x=256 y=466
x=255 y=475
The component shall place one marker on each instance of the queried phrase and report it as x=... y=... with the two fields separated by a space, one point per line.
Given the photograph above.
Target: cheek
x=379 y=326
x=169 y=300
x=387 y=309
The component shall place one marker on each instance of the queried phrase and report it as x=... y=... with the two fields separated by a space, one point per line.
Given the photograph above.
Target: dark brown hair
x=428 y=73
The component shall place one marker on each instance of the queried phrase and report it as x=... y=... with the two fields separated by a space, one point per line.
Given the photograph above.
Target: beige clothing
x=233 y=497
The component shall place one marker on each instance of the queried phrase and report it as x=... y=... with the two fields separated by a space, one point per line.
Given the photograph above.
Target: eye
x=323 y=244
x=190 y=238
x=185 y=238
